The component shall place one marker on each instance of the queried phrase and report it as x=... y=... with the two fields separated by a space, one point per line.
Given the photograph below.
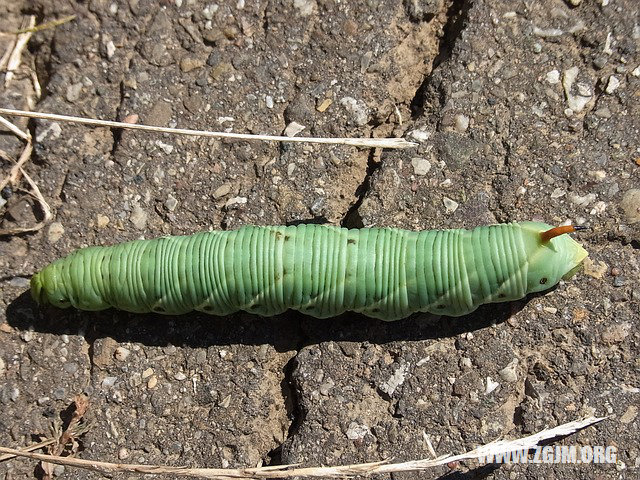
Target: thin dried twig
x=14 y=174
x=16 y=54
x=47 y=25
x=25 y=136
x=7 y=53
x=36 y=88
x=286 y=471
x=30 y=448
x=357 y=142
x=67 y=438
x=46 y=210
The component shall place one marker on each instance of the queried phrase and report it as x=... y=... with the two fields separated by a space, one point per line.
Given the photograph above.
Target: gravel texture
x=522 y=111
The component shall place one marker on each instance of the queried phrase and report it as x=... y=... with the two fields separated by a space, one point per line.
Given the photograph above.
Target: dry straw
x=356 y=142
x=342 y=471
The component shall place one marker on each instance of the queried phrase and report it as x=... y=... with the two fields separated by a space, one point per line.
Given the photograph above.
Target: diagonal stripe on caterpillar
x=319 y=270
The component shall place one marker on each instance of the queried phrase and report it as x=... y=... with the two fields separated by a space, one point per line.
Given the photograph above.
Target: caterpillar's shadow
x=289 y=331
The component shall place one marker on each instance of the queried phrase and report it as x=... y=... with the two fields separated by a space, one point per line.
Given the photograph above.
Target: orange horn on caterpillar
x=557 y=231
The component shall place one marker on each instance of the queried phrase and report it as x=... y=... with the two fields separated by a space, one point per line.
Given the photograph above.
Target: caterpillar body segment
x=320 y=271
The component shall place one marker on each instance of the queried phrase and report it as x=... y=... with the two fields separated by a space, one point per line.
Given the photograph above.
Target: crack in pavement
x=457 y=18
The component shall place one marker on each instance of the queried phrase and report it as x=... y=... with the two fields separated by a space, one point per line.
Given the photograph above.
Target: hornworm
x=321 y=271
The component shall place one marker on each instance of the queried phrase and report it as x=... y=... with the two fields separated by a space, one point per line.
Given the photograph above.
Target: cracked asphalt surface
x=522 y=111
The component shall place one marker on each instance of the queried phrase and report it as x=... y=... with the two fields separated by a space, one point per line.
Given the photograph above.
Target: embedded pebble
x=27 y=336
x=616 y=333
x=553 y=77
x=55 y=232
x=70 y=367
x=594 y=268
x=152 y=382
x=420 y=134
x=598 y=208
x=222 y=191
x=612 y=85
x=110 y=49
x=318 y=206
x=357 y=431
x=268 y=100
x=421 y=166
x=52 y=132
x=188 y=64
x=226 y=401
x=109 y=382
x=73 y=92
x=147 y=373
x=180 y=376
x=166 y=148
x=236 y=201
x=123 y=453
x=121 y=353
x=171 y=203
x=138 y=217
x=576 y=103
x=461 y=123
x=491 y=386
x=547 y=32
x=59 y=393
x=326 y=386
x=102 y=220
x=510 y=373
x=557 y=193
x=3 y=367
x=629 y=415
x=14 y=394
x=630 y=205
x=397 y=379
x=209 y=11
x=465 y=362
x=619 y=281
x=19 y=282
x=450 y=205
x=358 y=111
x=293 y=129
x=326 y=103
x=582 y=200
x=305 y=7
x=599 y=62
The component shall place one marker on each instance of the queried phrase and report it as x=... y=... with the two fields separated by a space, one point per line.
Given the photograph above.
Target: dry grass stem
x=46 y=25
x=14 y=129
x=30 y=448
x=357 y=142
x=343 y=471
x=7 y=53
x=46 y=210
x=16 y=54
x=66 y=438
x=14 y=174
x=36 y=88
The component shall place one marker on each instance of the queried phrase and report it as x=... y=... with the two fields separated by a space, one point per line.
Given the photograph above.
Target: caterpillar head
x=46 y=289
x=553 y=255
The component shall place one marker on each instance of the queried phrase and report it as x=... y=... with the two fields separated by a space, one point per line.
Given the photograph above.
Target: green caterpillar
x=321 y=271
